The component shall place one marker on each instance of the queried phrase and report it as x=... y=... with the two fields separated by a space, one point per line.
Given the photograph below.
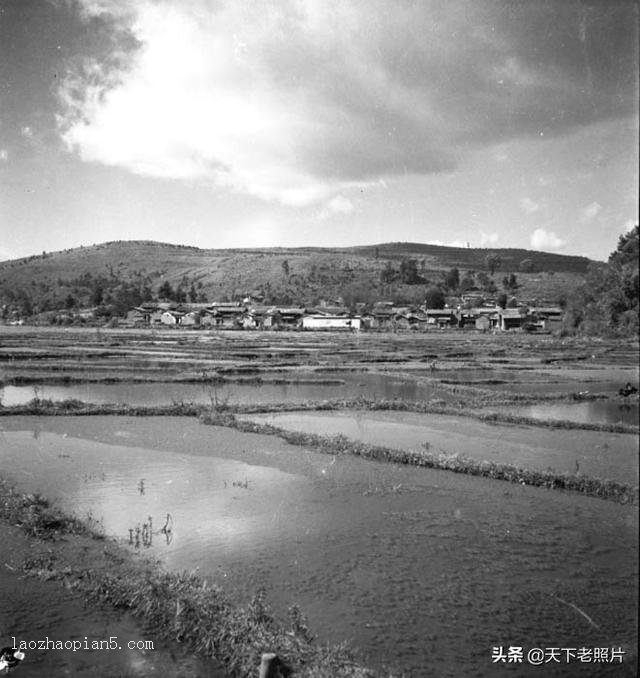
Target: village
x=249 y=314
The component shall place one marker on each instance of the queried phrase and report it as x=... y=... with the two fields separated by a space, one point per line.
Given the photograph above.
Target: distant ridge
x=282 y=274
x=460 y=256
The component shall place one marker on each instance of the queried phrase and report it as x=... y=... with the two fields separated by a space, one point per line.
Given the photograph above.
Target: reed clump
x=35 y=515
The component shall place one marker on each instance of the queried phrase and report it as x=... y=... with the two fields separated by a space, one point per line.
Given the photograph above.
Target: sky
x=260 y=123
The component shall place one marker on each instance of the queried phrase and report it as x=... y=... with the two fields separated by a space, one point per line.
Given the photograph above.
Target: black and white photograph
x=319 y=338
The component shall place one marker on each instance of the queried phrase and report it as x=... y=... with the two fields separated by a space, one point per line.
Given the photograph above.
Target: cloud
x=337 y=205
x=590 y=212
x=626 y=226
x=488 y=238
x=4 y=154
x=529 y=206
x=545 y=240
x=452 y=243
x=297 y=100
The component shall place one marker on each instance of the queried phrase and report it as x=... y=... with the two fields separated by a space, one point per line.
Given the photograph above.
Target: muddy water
x=598 y=411
x=420 y=569
x=342 y=385
x=611 y=456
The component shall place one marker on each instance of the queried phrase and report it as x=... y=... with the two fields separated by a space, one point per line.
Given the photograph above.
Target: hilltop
x=126 y=272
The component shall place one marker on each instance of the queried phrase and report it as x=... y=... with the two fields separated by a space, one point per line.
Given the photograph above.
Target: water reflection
x=602 y=455
x=347 y=386
x=415 y=566
x=594 y=411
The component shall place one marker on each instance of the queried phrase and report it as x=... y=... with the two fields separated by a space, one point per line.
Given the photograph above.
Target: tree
x=70 y=301
x=97 y=295
x=510 y=282
x=608 y=302
x=165 y=291
x=434 y=298
x=467 y=283
x=452 y=279
x=388 y=273
x=512 y=303
x=285 y=268
x=502 y=300
x=493 y=262
x=627 y=250
x=409 y=272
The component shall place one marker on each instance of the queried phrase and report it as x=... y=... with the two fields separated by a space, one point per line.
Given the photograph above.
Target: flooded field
x=309 y=386
x=612 y=456
x=418 y=568
x=599 y=411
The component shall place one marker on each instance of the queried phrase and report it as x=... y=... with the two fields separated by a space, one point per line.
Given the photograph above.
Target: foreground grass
x=178 y=607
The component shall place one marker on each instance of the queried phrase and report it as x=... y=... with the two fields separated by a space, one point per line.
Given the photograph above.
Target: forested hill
x=129 y=271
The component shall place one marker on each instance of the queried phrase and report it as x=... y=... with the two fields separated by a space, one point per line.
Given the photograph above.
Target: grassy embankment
x=224 y=415
x=181 y=606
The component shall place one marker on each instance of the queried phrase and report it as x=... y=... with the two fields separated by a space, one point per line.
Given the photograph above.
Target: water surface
x=313 y=386
x=418 y=568
x=611 y=456
x=586 y=412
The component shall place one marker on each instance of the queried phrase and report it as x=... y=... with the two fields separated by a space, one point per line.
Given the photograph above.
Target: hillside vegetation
x=124 y=273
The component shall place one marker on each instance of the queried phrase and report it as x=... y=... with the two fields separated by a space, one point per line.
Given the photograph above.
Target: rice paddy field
x=320 y=467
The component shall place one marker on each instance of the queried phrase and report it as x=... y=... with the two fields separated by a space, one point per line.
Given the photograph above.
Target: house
x=288 y=317
x=547 y=317
x=224 y=315
x=171 y=318
x=382 y=318
x=330 y=322
x=257 y=317
x=440 y=317
x=190 y=319
x=480 y=318
x=408 y=319
x=336 y=310
x=86 y=313
x=417 y=321
x=145 y=314
x=483 y=323
x=510 y=318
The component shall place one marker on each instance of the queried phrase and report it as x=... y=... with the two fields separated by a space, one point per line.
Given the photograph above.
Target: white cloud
x=488 y=238
x=337 y=205
x=4 y=154
x=590 y=212
x=529 y=206
x=297 y=100
x=452 y=243
x=627 y=226
x=545 y=240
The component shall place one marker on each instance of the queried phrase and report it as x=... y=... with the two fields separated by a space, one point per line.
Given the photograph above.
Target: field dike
x=42 y=407
x=339 y=444
x=223 y=414
x=178 y=607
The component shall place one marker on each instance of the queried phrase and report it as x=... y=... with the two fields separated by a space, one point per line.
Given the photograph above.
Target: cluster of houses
x=383 y=316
